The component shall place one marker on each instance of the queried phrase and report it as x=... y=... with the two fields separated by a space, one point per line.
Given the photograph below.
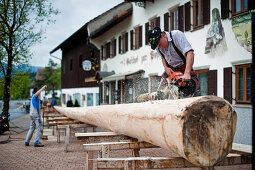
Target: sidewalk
x=15 y=155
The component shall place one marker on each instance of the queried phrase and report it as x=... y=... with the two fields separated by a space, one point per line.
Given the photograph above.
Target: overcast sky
x=73 y=15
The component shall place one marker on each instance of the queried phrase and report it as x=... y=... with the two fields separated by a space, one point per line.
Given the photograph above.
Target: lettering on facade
x=129 y=60
x=144 y=59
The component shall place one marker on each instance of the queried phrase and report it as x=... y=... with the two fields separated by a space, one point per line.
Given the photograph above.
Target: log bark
x=200 y=129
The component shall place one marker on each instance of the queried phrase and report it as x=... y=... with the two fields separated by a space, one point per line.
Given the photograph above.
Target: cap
x=154 y=37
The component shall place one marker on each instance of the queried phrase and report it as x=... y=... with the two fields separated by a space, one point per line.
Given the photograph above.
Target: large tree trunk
x=7 y=85
x=200 y=129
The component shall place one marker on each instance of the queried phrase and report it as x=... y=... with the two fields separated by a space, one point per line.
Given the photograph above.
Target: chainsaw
x=172 y=87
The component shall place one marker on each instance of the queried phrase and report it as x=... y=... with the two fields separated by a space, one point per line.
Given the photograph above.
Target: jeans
x=35 y=123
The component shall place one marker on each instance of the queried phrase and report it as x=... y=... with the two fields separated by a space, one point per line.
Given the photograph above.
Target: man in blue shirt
x=35 y=119
x=53 y=102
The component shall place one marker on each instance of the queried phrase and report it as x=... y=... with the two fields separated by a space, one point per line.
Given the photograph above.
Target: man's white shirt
x=181 y=43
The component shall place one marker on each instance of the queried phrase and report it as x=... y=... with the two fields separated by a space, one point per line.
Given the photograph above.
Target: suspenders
x=176 y=49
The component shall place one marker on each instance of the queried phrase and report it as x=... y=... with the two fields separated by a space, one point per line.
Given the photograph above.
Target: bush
x=76 y=104
x=69 y=103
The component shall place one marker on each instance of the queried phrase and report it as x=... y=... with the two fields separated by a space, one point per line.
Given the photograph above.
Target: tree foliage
x=50 y=76
x=21 y=26
x=20 y=85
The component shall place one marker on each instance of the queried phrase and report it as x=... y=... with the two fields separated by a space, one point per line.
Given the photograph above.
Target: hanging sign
x=86 y=65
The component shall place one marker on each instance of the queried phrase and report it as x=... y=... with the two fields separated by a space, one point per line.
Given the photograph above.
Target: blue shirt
x=35 y=109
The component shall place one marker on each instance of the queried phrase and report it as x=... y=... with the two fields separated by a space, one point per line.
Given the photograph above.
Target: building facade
x=218 y=30
x=80 y=62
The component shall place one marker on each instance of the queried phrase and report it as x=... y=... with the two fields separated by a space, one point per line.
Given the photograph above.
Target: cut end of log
x=208 y=130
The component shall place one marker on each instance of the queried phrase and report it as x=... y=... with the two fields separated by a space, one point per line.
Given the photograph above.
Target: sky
x=73 y=15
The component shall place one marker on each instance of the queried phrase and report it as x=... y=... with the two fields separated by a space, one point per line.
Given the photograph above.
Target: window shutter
x=119 y=44
x=140 y=36
x=126 y=42
x=212 y=82
x=228 y=84
x=158 y=22
x=114 y=47
x=102 y=52
x=108 y=50
x=146 y=33
x=166 y=21
x=251 y=4
x=180 y=18
x=224 y=9
x=131 y=40
x=187 y=16
x=206 y=12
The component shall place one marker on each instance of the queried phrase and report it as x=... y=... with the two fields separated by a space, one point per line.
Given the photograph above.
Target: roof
x=108 y=19
x=80 y=33
x=100 y=24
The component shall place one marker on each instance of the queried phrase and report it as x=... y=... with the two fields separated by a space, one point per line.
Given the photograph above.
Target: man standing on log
x=35 y=119
x=177 y=55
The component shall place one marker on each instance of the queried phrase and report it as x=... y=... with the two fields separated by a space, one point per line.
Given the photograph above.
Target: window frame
x=153 y=23
x=244 y=67
x=242 y=10
x=136 y=37
x=71 y=65
x=123 y=40
x=176 y=19
x=200 y=13
x=113 y=48
x=203 y=71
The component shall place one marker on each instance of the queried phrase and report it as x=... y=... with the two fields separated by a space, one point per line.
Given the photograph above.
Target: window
x=136 y=37
x=108 y=49
x=174 y=19
x=239 y=6
x=123 y=43
x=71 y=65
x=243 y=84
x=197 y=13
x=113 y=48
x=155 y=22
x=90 y=101
x=201 y=13
x=203 y=78
x=97 y=99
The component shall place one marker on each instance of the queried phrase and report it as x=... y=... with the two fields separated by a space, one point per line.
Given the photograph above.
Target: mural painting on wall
x=241 y=27
x=215 y=38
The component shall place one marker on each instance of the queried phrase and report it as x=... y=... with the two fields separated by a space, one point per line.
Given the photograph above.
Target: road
x=16 y=110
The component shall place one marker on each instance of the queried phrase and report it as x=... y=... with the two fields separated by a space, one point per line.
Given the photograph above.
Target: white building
x=221 y=41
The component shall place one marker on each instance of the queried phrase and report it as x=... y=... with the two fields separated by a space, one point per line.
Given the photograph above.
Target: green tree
x=22 y=24
x=20 y=85
x=50 y=76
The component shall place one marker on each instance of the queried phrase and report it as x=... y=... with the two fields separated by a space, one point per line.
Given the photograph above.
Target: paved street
x=15 y=155
x=16 y=110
